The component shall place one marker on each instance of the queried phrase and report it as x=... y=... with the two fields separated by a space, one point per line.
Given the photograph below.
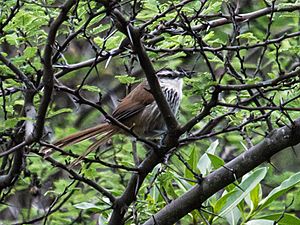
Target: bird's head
x=174 y=74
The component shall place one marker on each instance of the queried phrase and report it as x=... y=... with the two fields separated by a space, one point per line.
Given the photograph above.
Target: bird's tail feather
x=105 y=130
x=83 y=135
x=102 y=140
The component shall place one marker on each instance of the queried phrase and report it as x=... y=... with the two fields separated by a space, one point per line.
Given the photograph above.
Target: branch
x=9 y=178
x=163 y=14
x=224 y=47
x=16 y=168
x=48 y=69
x=273 y=108
x=97 y=160
x=133 y=186
x=204 y=135
x=278 y=140
x=18 y=72
x=78 y=177
x=69 y=68
x=12 y=14
x=246 y=16
x=267 y=83
x=228 y=19
x=205 y=112
x=74 y=35
x=52 y=209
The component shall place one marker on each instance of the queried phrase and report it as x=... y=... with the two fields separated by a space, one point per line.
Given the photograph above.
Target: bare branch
x=48 y=75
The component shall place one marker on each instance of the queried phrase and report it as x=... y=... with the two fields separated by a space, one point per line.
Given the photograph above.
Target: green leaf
x=287 y=219
x=12 y=39
x=4 y=70
x=237 y=195
x=174 y=56
x=30 y=52
x=115 y=40
x=250 y=37
x=192 y=161
x=255 y=196
x=204 y=163
x=280 y=190
x=101 y=220
x=86 y=205
x=126 y=79
x=60 y=111
x=233 y=216
x=170 y=190
x=150 y=9
x=222 y=201
x=213 y=7
x=91 y=88
x=209 y=36
x=182 y=184
x=154 y=193
x=99 y=41
x=216 y=161
x=19 y=102
x=260 y=222
x=12 y=122
x=100 y=28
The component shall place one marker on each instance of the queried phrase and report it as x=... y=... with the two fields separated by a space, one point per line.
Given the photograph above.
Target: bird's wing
x=134 y=102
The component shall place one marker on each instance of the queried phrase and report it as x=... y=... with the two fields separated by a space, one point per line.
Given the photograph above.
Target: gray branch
x=48 y=74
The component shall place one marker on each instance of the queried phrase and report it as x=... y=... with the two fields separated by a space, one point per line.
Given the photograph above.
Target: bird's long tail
x=104 y=131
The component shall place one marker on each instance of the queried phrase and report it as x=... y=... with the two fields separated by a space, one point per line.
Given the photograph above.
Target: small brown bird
x=137 y=110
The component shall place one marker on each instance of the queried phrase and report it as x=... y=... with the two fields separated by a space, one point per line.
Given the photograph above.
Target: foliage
x=252 y=62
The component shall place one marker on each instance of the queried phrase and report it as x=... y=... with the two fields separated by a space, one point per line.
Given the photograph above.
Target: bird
x=138 y=111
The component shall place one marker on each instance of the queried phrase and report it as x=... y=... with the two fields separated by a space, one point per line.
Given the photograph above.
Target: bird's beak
x=188 y=74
